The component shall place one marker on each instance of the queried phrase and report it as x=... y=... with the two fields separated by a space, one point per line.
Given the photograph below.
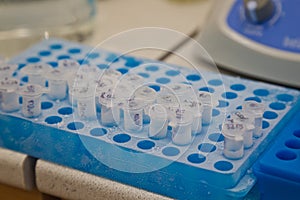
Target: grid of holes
x=292 y=148
x=131 y=62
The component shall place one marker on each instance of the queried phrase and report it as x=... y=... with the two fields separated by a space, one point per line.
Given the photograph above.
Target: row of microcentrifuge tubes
x=126 y=99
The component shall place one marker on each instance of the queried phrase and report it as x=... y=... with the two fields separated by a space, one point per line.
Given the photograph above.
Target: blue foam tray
x=194 y=171
x=278 y=169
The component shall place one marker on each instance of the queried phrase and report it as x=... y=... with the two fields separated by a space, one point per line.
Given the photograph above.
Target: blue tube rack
x=278 y=169
x=198 y=170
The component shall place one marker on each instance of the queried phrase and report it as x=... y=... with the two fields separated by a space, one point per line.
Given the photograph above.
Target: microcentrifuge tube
x=255 y=110
x=35 y=73
x=110 y=112
x=31 y=100
x=133 y=115
x=75 y=83
x=9 y=97
x=208 y=102
x=195 y=107
x=7 y=70
x=102 y=85
x=132 y=80
x=112 y=73
x=145 y=93
x=248 y=123
x=233 y=139
x=86 y=106
x=92 y=72
x=181 y=123
x=57 y=84
x=167 y=100
x=68 y=65
x=158 y=121
x=181 y=91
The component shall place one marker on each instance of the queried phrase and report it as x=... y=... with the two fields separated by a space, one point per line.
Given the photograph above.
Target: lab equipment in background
x=23 y=22
x=257 y=38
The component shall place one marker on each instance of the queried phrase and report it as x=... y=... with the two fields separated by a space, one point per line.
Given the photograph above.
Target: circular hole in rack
x=123 y=70
x=33 y=59
x=65 y=111
x=207 y=147
x=93 y=55
x=265 y=124
x=297 y=133
x=112 y=58
x=223 y=165
x=103 y=66
x=75 y=126
x=62 y=57
x=286 y=155
x=74 y=50
x=121 y=138
x=46 y=105
x=293 y=144
x=193 y=77
x=215 y=112
x=270 y=115
x=216 y=137
x=98 y=132
x=132 y=63
x=56 y=46
x=215 y=82
x=239 y=108
x=261 y=92
x=277 y=106
x=146 y=144
x=238 y=87
x=285 y=97
x=172 y=72
x=152 y=68
x=53 y=64
x=53 y=120
x=155 y=87
x=146 y=119
x=144 y=75
x=253 y=99
x=229 y=95
x=196 y=158
x=163 y=80
x=170 y=151
x=24 y=79
x=45 y=53
x=223 y=104
x=207 y=89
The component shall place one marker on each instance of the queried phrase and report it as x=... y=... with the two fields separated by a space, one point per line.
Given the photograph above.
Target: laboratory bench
x=38 y=179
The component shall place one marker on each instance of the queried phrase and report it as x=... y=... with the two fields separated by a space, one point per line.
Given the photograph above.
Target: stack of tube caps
x=154 y=120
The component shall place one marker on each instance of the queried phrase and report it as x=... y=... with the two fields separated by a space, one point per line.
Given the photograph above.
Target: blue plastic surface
x=278 y=170
x=281 y=31
x=198 y=170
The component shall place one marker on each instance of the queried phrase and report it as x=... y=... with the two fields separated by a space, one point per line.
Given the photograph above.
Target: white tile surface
x=72 y=184
x=16 y=169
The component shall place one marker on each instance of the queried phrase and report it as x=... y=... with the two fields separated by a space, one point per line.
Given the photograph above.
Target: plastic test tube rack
x=191 y=169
